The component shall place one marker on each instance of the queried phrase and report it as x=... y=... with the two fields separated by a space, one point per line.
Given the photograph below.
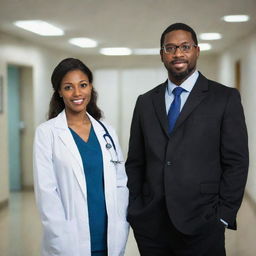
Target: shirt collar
x=188 y=84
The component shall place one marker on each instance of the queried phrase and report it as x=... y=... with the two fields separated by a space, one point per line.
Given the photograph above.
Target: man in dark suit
x=188 y=157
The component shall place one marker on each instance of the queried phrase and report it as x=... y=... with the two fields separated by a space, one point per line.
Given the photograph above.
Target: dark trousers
x=170 y=242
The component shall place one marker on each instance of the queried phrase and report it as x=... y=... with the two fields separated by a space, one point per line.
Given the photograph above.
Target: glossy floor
x=20 y=230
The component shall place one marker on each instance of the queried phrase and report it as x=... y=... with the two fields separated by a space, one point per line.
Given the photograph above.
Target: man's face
x=179 y=64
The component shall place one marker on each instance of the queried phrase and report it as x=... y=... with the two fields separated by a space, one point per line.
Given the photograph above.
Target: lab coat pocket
x=58 y=236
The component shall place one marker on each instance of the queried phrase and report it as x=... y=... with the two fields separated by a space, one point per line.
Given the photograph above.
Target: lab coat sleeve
x=57 y=237
x=122 y=195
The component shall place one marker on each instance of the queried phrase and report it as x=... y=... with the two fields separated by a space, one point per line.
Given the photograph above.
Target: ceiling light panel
x=83 y=42
x=205 y=47
x=39 y=27
x=146 y=51
x=116 y=51
x=210 y=36
x=236 y=18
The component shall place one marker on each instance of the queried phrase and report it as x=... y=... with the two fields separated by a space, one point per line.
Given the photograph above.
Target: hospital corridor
x=119 y=42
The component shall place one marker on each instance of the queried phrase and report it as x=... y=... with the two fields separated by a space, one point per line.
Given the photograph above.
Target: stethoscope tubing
x=108 y=136
x=108 y=145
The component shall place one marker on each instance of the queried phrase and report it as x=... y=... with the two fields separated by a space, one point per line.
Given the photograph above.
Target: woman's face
x=75 y=89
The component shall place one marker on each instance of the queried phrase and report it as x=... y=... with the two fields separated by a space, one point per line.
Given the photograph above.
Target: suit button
x=169 y=163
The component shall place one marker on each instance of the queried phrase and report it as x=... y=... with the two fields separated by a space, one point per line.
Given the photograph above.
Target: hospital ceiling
x=126 y=23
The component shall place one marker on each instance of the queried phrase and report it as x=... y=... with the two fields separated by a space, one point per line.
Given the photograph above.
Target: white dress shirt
x=188 y=85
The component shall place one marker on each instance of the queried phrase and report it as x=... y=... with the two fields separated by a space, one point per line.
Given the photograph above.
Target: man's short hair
x=178 y=26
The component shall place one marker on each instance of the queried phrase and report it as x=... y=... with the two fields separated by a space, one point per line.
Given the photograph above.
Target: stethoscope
x=109 y=144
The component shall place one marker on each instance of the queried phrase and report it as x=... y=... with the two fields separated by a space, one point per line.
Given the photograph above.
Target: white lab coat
x=60 y=189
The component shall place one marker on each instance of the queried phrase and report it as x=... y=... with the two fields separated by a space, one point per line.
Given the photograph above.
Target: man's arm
x=234 y=159
x=135 y=163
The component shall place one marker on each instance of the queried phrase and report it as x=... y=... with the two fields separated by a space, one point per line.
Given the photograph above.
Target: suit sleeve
x=135 y=163
x=57 y=233
x=234 y=159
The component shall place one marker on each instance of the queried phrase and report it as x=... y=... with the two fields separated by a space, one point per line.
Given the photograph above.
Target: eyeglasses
x=171 y=49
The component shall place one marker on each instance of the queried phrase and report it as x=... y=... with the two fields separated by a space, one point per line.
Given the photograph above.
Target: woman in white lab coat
x=79 y=175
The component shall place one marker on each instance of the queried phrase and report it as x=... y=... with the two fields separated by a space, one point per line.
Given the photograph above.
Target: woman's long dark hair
x=56 y=103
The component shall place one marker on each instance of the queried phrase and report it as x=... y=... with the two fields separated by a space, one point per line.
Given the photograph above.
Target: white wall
x=245 y=51
x=106 y=82
x=118 y=91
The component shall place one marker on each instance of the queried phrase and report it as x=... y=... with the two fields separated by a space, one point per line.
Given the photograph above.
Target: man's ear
x=161 y=54
x=198 y=51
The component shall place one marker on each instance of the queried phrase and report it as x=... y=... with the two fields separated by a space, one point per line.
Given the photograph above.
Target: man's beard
x=180 y=76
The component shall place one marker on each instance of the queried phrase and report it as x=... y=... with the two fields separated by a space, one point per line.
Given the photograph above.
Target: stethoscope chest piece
x=108 y=146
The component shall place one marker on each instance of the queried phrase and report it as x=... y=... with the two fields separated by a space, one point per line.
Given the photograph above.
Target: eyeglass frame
x=178 y=47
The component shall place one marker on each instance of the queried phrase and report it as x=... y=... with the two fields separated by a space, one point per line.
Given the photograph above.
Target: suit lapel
x=159 y=104
x=198 y=93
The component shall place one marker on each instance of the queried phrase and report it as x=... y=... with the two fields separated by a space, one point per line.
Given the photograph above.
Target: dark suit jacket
x=199 y=171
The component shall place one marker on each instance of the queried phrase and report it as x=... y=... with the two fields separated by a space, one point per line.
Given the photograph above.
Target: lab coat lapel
x=67 y=139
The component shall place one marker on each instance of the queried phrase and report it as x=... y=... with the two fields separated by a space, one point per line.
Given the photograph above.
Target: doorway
x=20 y=126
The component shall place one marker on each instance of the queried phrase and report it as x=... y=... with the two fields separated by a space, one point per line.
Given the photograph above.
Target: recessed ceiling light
x=236 y=18
x=39 y=27
x=146 y=51
x=210 y=36
x=83 y=42
x=205 y=47
x=116 y=51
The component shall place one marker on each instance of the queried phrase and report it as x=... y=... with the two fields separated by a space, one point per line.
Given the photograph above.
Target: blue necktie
x=174 y=110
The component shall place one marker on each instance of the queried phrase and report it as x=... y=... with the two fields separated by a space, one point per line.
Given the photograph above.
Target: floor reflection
x=20 y=230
